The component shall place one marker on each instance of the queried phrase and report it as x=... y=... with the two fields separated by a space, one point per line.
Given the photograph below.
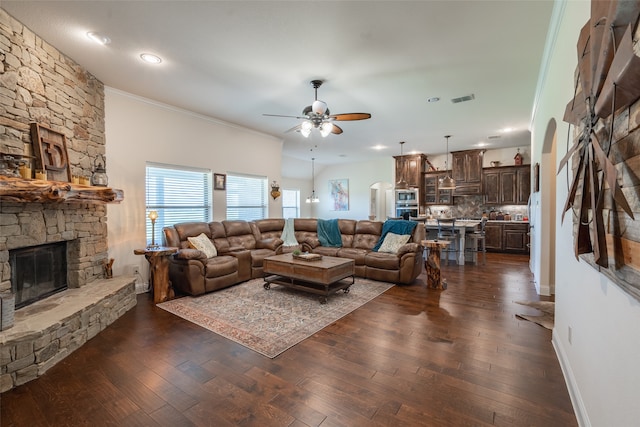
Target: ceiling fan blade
x=336 y=130
x=350 y=116
x=281 y=115
x=296 y=128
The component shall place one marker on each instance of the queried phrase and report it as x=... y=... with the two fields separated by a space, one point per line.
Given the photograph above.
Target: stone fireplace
x=41 y=85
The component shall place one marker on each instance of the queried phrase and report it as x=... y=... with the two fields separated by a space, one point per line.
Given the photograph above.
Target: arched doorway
x=381 y=201
x=544 y=214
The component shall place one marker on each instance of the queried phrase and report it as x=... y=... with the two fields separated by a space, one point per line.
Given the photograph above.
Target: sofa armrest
x=189 y=254
x=409 y=248
x=232 y=249
x=312 y=242
x=273 y=243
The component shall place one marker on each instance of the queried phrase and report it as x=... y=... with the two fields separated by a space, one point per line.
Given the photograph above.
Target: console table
x=158 y=258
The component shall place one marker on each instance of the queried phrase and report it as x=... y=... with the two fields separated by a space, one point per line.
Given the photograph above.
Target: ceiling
x=235 y=60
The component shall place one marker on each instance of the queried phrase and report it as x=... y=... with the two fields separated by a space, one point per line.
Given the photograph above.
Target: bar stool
x=479 y=241
x=447 y=231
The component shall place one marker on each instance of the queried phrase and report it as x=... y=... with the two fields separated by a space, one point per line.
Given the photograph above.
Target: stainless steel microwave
x=407 y=196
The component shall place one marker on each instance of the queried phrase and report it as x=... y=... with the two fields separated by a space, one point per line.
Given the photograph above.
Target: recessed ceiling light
x=98 y=38
x=433 y=99
x=507 y=130
x=151 y=58
x=379 y=147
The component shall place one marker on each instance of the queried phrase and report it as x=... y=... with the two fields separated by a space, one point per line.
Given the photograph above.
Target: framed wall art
x=219 y=181
x=339 y=190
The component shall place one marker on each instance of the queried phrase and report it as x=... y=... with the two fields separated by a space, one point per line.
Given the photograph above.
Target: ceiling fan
x=318 y=116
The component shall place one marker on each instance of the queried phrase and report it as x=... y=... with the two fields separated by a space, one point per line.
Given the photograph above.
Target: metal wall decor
x=603 y=194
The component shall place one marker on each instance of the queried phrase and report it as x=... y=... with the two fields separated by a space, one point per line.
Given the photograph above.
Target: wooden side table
x=432 y=263
x=158 y=258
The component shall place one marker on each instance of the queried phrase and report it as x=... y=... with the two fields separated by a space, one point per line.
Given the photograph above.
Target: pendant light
x=447 y=183
x=313 y=198
x=401 y=184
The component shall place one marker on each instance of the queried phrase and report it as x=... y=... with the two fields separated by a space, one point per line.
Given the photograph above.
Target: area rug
x=270 y=321
x=546 y=307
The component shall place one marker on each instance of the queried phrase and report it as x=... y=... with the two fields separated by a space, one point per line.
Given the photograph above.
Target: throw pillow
x=392 y=242
x=203 y=244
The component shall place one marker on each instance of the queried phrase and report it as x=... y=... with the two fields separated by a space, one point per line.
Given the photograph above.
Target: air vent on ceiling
x=464 y=98
x=494 y=136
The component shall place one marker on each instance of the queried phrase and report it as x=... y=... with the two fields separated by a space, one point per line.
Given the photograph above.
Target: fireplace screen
x=37 y=272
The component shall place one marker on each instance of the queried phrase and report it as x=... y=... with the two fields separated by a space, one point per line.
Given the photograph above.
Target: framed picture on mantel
x=219 y=181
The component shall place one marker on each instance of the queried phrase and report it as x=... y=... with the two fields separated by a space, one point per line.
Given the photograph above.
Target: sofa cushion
x=221 y=266
x=367 y=234
x=392 y=242
x=382 y=260
x=397 y=227
x=239 y=234
x=203 y=244
x=358 y=255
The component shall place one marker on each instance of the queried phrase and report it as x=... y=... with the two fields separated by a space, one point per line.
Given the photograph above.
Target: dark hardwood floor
x=413 y=356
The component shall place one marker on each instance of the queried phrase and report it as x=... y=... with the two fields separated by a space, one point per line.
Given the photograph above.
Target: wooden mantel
x=34 y=190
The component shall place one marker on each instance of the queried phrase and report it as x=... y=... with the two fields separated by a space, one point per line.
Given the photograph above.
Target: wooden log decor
x=605 y=154
x=33 y=190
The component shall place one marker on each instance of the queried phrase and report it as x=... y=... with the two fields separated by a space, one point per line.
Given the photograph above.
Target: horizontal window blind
x=178 y=194
x=290 y=203
x=246 y=197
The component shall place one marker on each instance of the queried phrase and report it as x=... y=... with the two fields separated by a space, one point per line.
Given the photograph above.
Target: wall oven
x=403 y=211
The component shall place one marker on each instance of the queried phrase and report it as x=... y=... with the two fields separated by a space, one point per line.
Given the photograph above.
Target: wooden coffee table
x=321 y=277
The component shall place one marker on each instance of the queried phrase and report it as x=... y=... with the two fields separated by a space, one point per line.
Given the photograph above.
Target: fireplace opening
x=38 y=272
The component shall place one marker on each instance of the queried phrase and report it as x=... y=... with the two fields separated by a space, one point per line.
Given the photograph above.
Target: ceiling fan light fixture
x=319 y=107
x=326 y=129
x=305 y=128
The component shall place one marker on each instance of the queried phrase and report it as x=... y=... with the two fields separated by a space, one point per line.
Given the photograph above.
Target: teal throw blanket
x=395 y=226
x=329 y=233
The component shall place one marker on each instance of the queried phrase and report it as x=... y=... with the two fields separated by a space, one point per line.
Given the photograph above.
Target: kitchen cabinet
x=433 y=195
x=466 y=169
x=507 y=185
x=493 y=236
x=515 y=237
x=511 y=237
x=411 y=168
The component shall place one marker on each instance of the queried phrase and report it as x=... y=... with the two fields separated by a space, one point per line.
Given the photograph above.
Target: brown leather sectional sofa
x=242 y=247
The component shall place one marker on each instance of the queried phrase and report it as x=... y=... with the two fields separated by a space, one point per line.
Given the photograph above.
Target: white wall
x=361 y=176
x=601 y=360
x=139 y=130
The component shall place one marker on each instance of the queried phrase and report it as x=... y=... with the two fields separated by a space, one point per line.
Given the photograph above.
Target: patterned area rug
x=270 y=321
x=547 y=308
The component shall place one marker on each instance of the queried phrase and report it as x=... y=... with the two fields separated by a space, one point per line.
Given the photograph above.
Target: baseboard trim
x=574 y=393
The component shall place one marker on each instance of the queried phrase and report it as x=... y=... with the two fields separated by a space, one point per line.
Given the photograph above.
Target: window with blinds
x=178 y=194
x=247 y=197
x=290 y=203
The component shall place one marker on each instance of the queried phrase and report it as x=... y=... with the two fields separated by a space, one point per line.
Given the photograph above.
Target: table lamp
x=153 y=215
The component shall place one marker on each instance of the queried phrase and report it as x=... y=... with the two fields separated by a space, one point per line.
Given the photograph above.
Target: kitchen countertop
x=434 y=222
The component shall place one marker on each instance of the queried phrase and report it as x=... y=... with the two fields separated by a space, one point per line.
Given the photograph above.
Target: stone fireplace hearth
x=41 y=85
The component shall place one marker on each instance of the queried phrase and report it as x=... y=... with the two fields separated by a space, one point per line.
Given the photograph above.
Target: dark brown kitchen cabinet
x=493 y=236
x=433 y=195
x=507 y=237
x=410 y=168
x=466 y=169
x=515 y=238
x=523 y=185
x=507 y=185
